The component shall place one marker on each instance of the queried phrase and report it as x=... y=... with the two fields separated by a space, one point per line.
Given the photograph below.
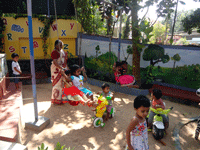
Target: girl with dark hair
x=136 y=133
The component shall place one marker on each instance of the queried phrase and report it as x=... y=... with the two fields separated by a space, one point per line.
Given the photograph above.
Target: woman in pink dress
x=59 y=64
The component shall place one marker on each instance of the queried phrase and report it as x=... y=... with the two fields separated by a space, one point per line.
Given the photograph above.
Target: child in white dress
x=136 y=133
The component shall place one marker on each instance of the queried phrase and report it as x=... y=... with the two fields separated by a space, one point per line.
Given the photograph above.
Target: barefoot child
x=16 y=69
x=77 y=80
x=72 y=93
x=109 y=96
x=136 y=133
x=157 y=102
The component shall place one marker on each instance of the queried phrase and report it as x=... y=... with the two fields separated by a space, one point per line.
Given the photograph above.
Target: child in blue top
x=77 y=80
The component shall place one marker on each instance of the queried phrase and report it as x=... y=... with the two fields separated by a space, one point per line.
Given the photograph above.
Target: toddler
x=157 y=102
x=136 y=133
x=109 y=96
x=16 y=69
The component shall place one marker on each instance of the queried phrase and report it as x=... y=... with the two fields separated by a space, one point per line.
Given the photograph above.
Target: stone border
x=119 y=88
x=177 y=128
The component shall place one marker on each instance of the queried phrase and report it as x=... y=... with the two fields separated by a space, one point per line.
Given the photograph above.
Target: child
x=107 y=94
x=157 y=102
x=77 y=80
x=197 y=129
x=136 y=133
x=16 y=69
x=124 y=67
x=116 y=68
x=71 y=92
x=120 y=69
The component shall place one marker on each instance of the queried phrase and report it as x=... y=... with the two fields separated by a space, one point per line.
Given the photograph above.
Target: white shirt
x=15 y=64
x=78 y=81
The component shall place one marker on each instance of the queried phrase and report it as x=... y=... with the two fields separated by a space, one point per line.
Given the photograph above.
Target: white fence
x=189 y=55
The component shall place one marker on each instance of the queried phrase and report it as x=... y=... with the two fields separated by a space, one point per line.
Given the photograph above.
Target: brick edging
x=176 y=131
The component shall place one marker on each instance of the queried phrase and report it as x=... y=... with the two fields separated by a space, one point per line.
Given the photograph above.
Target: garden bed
x=176 y=91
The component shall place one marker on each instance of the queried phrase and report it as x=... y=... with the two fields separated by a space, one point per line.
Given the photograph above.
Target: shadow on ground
x=72 y=126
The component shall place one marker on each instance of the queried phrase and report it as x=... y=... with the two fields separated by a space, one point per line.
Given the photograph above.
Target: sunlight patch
x=115 y=129
x=93 y=141
x=79 y=114
x=119 y=137
x=117 y=99
x=126 y=100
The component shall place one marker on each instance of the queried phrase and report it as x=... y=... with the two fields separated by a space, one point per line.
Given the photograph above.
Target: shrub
x=58 y=147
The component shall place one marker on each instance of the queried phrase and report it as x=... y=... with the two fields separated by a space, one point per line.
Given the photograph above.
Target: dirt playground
x=72 y=125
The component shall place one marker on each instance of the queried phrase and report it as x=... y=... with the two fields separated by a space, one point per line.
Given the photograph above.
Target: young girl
x=120 y=69
x=109 y=96
x=72 y=93
x=117 y=71
x=136 y=133
x=77 y=80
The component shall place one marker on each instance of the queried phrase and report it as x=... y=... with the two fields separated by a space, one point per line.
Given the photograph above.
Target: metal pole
x=48 y=8
x=29 y=8
x=120 y=34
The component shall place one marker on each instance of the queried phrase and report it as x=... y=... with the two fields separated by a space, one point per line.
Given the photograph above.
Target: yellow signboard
x=17 y=41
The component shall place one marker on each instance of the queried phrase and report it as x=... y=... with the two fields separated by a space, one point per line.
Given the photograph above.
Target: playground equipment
x=198 y=92
x=158 y=125
x=100 y=109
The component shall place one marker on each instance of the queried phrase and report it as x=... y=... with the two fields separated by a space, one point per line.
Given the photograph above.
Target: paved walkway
x=10 y=112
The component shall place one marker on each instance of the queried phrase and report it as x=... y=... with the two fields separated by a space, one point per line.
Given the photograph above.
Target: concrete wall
x=189 y=55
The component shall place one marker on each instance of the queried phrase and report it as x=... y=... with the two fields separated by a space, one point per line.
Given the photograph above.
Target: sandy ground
x=187 y=137
x=72 y=125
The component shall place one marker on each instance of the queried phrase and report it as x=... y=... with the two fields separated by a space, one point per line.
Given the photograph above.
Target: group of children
x=75 y=91
x=137 y=132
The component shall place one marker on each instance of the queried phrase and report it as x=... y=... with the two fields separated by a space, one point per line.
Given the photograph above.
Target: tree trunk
x=174 y=64
x=151 y=62
x=166 y=30
x=166 y=26
x=135 y=41
x=171 y=39
x=110 y=57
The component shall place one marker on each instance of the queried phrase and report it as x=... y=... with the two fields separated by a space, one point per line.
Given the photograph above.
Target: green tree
x=182 y=41
x=97 y=48
x=175 y=58
x=192 y=22
x=175 y=14
x=155 y=53
x=146 y=30
x=180 y=16
x=129 y=51
x=2 y=29
x=126 y=29
x=158 y=34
